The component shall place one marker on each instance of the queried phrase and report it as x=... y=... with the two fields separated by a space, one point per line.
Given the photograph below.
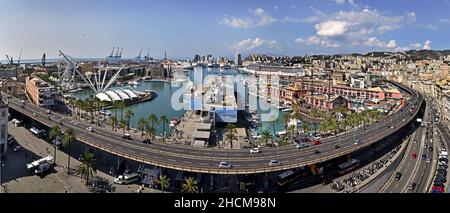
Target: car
x=225 y=165
x=357 y=142
x=414 y=155
x=17 y=148
x=147 y=141
x=392 y=127
x=274 y=163
x=34 y=114
x=425 y=146
x=414 y=141
x=90 y=129
x=424 y=157
x=404 y=120
x=412 y=186
x=316 y=142
x=337 y=146
x=127 y=136
x=316 y=152
x=301 y=145
x=254 y=151
x=443 y=160
x=428 y=160
x=48 y=111
x=398 y=176
x=430 y=149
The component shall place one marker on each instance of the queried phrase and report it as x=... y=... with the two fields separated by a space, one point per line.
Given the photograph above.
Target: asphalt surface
x=187 y=158
x=415 y=170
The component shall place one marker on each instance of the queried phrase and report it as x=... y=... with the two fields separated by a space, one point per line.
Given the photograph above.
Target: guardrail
x=263 y=169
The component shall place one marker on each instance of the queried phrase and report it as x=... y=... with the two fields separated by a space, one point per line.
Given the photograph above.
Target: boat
x=105 y=112
x=287 y=110
x=174 y=122
x=146 y=78
x=134 y=83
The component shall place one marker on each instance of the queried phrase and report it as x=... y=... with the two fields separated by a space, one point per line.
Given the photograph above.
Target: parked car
x=337 y=146
x=274 y=163
x=48 y=111
x=316 y=152
x=225 y=165
x=90 y=129
x=147 y=141
x=301 y=145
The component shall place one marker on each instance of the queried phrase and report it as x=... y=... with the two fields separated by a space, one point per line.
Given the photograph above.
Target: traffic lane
x=407 y=167
x=265 y=159
x=228 y=151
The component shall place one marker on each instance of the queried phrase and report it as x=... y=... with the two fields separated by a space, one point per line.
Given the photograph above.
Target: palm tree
x=230 y=134
x=113 y=122
x=87 y=167
x=190 y=186
x=286 y=119
x=141 y=125
x=283 y=140
x=68 y=138
x=55 y=134
x=120 y=105
x=128 y=114
x=153 y=119
x=150 y=132
x=123 y=125
x=266 y=136
x=273 y=122
x=163 y=119
x=163 y=182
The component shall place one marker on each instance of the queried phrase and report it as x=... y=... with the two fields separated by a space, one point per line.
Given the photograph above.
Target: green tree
x=153 y=119
x=123 y=125
x=150 y=132
x=190 y=185
x=266 y=137
x=164 y=120
x=68 y=138
x=141 y=125
x=87 y=167
x=120 y=104
x=230 y=134
x=163 y=182
x=55 y=135
x=128 y=114
x=113 y=122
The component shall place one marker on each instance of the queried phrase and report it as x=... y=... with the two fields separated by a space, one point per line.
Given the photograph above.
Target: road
x=188 y=158
x=415 y=170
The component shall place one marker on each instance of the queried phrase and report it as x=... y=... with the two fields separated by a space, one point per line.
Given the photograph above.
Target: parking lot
x=16 y=179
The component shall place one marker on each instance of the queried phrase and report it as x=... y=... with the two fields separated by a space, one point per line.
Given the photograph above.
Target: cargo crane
x=140 y=54
x=9 y=59
x=20 y=56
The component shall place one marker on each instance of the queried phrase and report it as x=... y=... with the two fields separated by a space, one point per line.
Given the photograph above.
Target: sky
x=90 y=28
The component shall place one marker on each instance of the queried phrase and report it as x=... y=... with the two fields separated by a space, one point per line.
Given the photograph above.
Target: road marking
x=172 y=160
x=204 y=164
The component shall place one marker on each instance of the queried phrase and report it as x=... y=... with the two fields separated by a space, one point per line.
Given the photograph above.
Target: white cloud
x=237 y=22
x=416 y=46
x=411 y=16
x=257 y=43
x=275 y=8
x=261 y=18
x=427 y=45
x=352 y=2
x=339 y=1
x=316 y=40
x=444 y=20
x=375 y=42
x=331 y=28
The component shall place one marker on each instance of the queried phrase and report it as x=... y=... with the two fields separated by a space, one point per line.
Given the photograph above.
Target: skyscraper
x=237 y=59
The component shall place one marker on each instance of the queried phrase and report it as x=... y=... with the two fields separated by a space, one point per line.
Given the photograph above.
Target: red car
x=316 y=142
x=414 y=155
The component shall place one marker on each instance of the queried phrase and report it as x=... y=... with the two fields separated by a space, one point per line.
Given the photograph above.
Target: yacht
x=133 y=83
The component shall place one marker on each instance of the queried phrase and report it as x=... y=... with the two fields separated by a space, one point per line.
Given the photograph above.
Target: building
x=323 y=102
x=3 y=127
x=237 y=59
x=446 y=107
x=41 y=93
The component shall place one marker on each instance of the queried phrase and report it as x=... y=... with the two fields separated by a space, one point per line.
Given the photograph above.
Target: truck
x=40 y=166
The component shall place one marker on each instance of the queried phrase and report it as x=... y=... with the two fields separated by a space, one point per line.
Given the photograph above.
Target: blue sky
x=85 y=28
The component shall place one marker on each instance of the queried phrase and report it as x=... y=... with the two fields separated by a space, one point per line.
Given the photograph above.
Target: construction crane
x=10 y=59
x=140 y=54
x=20 y=56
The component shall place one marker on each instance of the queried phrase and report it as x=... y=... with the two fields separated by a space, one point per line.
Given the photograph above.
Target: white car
x=301 y=145
x=254 y=151
x=17 y=148
x=48 y=111
x=90 y=129
x=225 y=165
x=274 y=163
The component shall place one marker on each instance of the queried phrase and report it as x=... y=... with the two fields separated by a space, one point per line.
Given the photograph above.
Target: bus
x=292 y=175
x=126 y=178
x=348 y=166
